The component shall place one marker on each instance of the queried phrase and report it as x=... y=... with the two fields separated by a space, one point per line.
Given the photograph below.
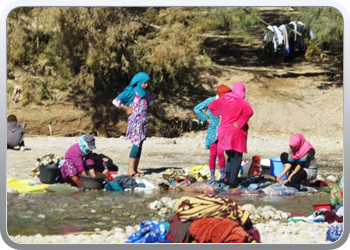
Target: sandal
x=136 y=174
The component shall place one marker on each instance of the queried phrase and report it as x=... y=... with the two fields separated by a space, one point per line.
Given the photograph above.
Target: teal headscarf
x=83 y=146
x=128 y=94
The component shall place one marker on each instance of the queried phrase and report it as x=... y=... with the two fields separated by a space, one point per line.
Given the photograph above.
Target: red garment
x=216 y=230
x=222 y=89
x=77 y=181
x=331 y=217
x=178 y=230
x=232 y=109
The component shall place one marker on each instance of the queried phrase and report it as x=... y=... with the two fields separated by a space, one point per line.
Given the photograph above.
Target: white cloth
x=284 y=31
x=277 y=37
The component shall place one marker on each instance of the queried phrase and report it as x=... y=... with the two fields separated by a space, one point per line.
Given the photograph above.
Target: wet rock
x=332 y=178
x=250 y=208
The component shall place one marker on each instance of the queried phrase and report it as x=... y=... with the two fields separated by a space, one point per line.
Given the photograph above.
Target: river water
x=52 y=213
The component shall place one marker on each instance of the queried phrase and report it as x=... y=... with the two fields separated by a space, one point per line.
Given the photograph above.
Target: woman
x=299 y=163
x=78 y=159
x=235 y=113
x=211 y=141
x=134 y=100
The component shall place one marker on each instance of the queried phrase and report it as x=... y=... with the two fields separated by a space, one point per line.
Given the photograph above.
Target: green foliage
x=100 y=49
x=237 y=21
x=313 y=51
x=325 y=22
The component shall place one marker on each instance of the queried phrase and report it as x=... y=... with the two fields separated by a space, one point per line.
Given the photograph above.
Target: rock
x=332 y=178
x=154 y=205
x=250 y=208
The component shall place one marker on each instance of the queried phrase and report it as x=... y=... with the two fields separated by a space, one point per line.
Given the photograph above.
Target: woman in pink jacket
x=235 y=113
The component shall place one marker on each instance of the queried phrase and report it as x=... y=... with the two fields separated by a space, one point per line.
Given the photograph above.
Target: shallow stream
x=53 y=213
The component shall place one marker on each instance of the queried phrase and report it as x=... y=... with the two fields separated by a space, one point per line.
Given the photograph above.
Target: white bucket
x=265 y=166
x=245 y=165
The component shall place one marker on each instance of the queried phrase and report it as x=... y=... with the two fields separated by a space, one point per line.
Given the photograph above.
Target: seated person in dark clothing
x=300 y=163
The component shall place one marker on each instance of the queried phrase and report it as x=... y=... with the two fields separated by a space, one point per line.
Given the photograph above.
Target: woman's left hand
x=235 y=125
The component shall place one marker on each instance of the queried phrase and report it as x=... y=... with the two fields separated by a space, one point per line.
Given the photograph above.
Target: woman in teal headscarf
x=134 y=100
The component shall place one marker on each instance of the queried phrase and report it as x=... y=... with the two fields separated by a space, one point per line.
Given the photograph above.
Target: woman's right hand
x=129 y=111
x=279 y=179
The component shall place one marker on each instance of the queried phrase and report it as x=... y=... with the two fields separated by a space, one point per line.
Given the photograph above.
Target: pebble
x=271 y=223
x=270 y=232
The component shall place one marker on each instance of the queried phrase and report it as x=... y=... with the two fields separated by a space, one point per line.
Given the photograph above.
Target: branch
x=152 y=25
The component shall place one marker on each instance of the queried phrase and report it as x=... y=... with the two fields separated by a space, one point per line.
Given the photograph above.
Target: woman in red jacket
x=235 y=113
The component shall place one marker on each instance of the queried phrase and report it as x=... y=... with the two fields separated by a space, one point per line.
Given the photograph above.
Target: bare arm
x=127 y=109
x=285 y=170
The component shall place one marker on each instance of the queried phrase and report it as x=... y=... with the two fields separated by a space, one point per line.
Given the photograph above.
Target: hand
x=208 y=121
x=279 y=179
x=235 y=125
x=81 y=189
x=129 y=111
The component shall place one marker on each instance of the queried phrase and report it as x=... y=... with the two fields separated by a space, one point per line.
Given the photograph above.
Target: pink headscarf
x=238 y=91
x=298 y=141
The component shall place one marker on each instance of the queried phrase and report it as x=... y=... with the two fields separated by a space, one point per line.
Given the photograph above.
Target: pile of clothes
x=200 y=219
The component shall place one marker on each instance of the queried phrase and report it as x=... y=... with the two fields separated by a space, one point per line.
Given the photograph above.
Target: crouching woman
x=299 y=163
x=79 y=160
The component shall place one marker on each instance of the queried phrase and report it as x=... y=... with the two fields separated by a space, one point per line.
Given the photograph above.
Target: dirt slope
x=293 y=97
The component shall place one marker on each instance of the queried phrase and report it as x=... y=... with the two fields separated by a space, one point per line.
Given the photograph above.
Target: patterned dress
x=137 y=121
x=212 y=133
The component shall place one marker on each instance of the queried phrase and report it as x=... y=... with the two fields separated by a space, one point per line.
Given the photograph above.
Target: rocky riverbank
x=184 y=152
x=276 y=230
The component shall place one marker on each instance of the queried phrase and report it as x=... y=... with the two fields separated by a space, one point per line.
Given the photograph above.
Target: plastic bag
x=276 y=190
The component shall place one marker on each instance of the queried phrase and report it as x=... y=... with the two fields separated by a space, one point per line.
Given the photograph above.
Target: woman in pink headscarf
x=235 y=113
x=299 y=163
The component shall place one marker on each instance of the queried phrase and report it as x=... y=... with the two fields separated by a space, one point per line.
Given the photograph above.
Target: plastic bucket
x=245 y=165
x=48 y=173
x=276 y=167
x=318 y=206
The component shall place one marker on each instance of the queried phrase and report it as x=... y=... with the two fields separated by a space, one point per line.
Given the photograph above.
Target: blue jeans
x=233 y=165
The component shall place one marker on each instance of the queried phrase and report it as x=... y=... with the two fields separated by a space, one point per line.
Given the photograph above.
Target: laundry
x=150 y=232
x=25 y=186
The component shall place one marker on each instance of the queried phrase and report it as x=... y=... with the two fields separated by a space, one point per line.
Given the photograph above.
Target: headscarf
x=298 y=141
x=83 y=146
x=222 y=89
x=238 y=91
x=128 y=94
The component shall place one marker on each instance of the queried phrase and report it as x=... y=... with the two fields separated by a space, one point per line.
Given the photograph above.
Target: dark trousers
x=296 y=178
x=22 y=144
x=233 y=166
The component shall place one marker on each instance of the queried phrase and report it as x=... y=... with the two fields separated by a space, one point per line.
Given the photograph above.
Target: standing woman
x=134 y=101
x=235 y=113
x=211 y=140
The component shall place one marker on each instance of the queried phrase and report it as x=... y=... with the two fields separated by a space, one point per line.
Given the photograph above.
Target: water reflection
x=54 y=213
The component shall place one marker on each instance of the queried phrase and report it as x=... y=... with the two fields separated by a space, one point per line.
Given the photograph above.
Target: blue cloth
x=83 y=146
x=341 y=182
x=128 y=94
x=113 y=186
x=334 y=232
x=150 y=232
x=212 y=133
